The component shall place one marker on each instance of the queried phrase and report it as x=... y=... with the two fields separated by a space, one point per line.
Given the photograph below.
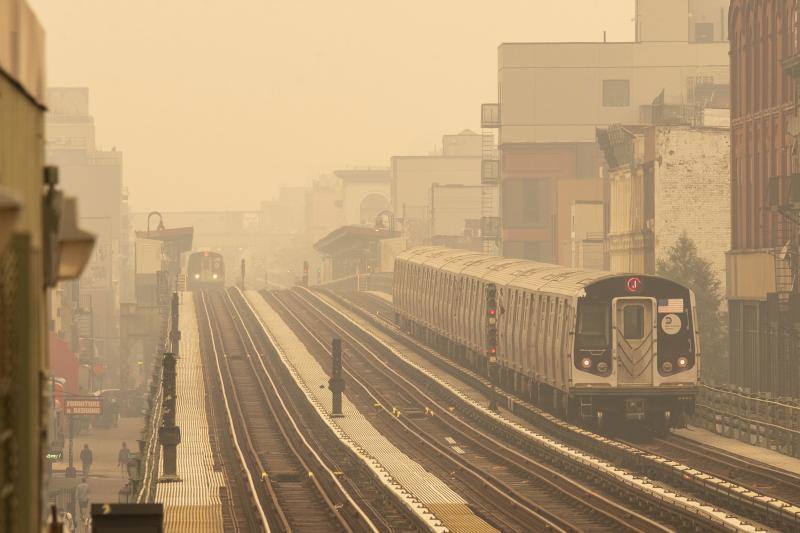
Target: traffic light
x=491 y=322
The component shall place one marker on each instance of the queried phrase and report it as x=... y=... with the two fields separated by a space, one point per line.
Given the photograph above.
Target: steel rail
x=578 y=438
x=499 y=488
x=568 y=487
x=296 y=429
x=229 y=416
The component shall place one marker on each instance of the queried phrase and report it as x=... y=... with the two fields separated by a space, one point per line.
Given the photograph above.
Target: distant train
x=205 y=271
x=595 y=346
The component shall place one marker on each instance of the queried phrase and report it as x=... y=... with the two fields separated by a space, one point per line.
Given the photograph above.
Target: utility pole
x=242 y=274
x=169 y=434
x=305 y=274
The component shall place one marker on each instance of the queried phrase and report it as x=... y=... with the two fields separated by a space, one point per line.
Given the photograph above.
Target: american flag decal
x=672 y=305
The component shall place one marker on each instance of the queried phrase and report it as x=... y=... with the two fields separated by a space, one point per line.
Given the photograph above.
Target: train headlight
x=586 y=363
x=602 y=366
x=214 y=276
x=197 y=276
x=683 y=361
x=666 y=366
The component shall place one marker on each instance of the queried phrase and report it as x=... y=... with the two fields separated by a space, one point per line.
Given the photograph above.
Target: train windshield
x=593 y=324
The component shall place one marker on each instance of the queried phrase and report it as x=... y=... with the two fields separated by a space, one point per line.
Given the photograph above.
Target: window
x=593 y=325
x=616 y=93
x=704 y=32
x=633 y=322
x=527 y=202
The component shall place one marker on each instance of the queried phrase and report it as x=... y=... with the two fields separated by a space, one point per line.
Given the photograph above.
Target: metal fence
x=758 y=419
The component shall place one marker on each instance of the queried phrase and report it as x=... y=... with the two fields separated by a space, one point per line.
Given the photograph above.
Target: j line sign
x=83 y=406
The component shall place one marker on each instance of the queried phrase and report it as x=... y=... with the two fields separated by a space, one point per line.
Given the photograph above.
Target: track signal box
x=491 y=322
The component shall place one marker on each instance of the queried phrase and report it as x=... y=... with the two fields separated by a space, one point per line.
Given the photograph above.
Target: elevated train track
x=514 y=490
x=761 y=501
x=670 y=506
x=292 y=485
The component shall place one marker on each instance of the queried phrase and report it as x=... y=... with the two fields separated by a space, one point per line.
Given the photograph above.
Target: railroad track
x=291 y=488
x=703 y=487
x=765 y=478
x=569 y=497
x=348 y=475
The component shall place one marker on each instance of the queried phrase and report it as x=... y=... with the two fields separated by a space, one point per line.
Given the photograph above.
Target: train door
x=634 y=329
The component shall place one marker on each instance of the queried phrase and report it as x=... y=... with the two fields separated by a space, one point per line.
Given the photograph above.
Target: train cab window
x=633 y=322
x=593 y=324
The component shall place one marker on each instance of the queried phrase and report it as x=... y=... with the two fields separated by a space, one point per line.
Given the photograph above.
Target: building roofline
x=21 y=88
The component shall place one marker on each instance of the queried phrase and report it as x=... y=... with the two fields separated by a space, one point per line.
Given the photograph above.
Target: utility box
x=127 y=517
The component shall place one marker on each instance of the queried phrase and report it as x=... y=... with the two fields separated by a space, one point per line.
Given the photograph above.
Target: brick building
x=665 y=180
x=762 y=263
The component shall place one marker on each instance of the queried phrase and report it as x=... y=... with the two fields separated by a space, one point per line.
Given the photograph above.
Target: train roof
x=522 y=273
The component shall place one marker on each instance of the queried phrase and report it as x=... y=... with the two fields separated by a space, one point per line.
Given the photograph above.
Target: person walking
x=86 y=459
x=122 y=459
x=82 y=495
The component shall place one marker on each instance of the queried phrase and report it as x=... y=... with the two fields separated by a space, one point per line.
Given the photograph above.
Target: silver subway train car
x=605 y=348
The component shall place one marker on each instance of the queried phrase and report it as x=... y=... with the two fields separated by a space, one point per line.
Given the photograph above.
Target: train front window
x=633 y=321
x=593 y=324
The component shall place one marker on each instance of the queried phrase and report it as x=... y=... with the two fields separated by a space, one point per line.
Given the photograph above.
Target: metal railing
x=754 y=418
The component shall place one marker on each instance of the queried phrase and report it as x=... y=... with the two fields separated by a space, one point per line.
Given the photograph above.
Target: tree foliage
x=685 y=266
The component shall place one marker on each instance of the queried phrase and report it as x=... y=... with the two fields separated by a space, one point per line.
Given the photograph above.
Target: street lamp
x=74 y=245
x=10 y=207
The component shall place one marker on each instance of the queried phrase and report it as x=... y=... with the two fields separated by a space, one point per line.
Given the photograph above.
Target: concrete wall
x=412 y=177
x=452 y=206
x=553 y=92
x=692 y=188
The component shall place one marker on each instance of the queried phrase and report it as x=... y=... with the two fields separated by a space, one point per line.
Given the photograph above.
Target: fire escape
x=783 y=306
x=490 y=180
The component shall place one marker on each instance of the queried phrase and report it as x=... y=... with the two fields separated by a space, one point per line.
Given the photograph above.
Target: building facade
x=552 y=96
x=95 y=176
x=763 y=260
x=412 y=177
x=666 y=180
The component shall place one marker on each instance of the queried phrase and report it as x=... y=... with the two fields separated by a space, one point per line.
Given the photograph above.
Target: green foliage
x=686 y=267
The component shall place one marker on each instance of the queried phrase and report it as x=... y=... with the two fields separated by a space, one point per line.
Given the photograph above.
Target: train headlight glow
x=197 y=276
x=683 y=362
x=666 y=366
x=586 y=362
x=214 y=276
x=602 y=366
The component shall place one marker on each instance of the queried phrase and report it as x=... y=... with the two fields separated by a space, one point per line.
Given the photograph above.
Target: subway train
x=609 y=350
x=205 y=271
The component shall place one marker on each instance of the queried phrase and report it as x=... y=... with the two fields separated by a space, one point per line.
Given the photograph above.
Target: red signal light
x=205 y=254
x=492 y=350
x=492 y=312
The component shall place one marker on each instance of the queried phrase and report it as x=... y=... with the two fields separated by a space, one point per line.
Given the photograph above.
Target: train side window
x=633 y=321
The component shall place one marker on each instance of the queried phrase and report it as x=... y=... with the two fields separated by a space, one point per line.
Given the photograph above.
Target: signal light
x=683 y=361
x=586 y=362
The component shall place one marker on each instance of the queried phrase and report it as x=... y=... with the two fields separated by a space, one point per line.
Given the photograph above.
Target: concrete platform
x=769 y=457
x=426 y=494
x=380 y=295
x=192 y=504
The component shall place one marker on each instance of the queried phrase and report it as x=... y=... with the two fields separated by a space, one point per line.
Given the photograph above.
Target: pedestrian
x=67 y=522
x=82 y=495
x=122 y=459
x=86 y=459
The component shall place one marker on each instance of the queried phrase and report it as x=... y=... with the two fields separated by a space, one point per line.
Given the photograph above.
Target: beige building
x=412 y=176
x=552 y=96
x=365 y=192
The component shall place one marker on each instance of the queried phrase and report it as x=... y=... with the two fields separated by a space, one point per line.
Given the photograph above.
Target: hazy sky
x=216 y=103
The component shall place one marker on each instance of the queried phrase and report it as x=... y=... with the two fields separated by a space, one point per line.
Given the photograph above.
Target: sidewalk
x=105 y=478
